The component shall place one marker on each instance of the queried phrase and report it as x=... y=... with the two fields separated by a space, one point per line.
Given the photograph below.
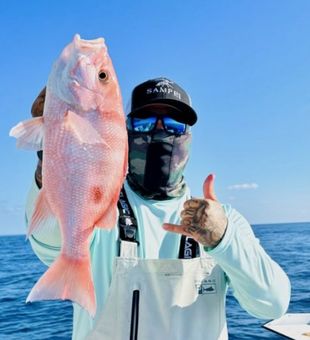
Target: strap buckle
x=128 y=229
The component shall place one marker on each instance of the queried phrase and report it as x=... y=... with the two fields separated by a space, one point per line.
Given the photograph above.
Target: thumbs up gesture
x=202 y=219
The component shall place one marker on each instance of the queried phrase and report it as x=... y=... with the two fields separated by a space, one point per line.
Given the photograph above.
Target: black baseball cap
x=162 y=91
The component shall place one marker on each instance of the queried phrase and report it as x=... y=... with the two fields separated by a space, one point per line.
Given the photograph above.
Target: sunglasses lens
x=173 y=126
x=147 y=124
x=143 y=124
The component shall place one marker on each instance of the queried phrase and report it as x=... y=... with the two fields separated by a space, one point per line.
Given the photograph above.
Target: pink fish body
x=84 y=141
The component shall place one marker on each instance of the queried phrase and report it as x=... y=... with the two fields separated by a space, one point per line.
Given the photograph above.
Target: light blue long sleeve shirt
x=258 y=283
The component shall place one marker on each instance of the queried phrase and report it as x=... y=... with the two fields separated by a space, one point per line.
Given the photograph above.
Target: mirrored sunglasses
x=148 y=124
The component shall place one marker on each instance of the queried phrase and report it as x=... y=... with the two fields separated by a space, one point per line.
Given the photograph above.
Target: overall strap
x=128 y=227
x=189 y=248
x=127 y=222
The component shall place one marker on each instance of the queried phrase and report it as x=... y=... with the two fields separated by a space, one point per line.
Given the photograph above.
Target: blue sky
x=245 y=64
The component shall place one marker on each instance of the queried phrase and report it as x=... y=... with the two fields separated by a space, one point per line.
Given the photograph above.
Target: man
x=164 y=285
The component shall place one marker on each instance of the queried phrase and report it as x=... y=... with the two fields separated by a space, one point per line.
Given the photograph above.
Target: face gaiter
x=157 y=162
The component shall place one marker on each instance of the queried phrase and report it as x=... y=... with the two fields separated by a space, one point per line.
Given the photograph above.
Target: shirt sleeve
x=46 y=241
x=258 y=283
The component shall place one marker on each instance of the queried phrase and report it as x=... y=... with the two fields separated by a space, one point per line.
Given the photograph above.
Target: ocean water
x=288 y=244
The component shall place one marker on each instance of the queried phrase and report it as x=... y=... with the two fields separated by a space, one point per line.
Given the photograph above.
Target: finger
x=188 y=213
x=38 y=104
x=208 y=188
x=176 y=228
x=188 y=221
x=192 y=203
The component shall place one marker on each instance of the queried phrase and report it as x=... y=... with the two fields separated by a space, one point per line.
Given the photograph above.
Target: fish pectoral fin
x=29 y=134
x=41 y=213
x=108 y=219
x=83 y=129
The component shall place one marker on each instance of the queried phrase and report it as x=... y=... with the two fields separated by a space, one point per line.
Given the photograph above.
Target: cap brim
x=182 y=112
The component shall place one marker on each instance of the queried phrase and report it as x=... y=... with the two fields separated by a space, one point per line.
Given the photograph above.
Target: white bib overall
x=150 y=299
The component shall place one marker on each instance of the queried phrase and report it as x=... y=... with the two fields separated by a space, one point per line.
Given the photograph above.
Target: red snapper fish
x=83 y=137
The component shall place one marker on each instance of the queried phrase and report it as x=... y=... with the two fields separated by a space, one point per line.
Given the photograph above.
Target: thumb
x=208 y=188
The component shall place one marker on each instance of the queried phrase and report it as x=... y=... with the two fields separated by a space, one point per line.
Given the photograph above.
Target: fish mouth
x=99 y=41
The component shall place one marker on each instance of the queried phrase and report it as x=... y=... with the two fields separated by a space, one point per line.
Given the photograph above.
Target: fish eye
x=103 y=76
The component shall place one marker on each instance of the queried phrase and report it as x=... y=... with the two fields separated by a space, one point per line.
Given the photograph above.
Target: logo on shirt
x=206 y=286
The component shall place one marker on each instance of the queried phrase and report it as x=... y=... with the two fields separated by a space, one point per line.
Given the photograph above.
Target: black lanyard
x=128 y=228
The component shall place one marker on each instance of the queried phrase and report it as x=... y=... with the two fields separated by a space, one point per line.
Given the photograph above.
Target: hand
x=38 y=104
x=204 y=220
x=37 y=111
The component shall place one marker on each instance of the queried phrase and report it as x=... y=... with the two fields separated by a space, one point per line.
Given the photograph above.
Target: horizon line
x=252 y=224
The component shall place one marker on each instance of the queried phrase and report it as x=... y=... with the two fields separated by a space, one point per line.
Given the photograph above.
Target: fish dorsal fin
x=83 y=129
x=29 y=134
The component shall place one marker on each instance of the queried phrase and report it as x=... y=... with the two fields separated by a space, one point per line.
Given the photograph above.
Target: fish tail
x=67 y=279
